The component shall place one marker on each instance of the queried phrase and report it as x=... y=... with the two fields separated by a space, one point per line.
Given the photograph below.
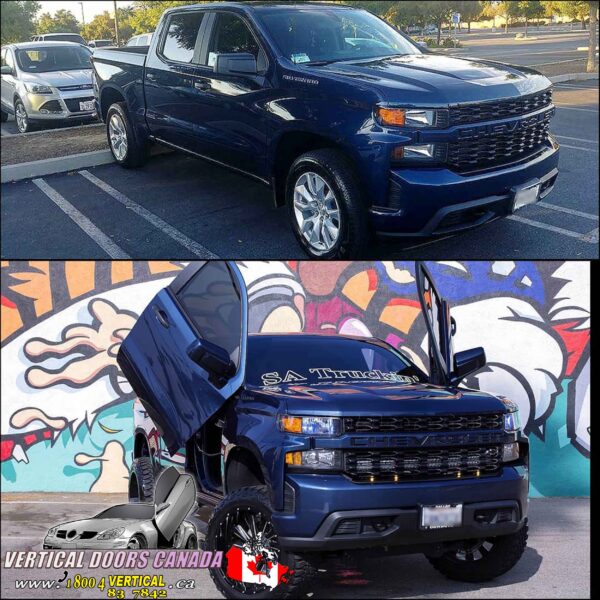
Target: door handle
x=203 y=86
x=161 y=317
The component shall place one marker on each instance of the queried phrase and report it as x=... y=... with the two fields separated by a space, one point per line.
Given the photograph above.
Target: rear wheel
x=126 y=147
x=192 y=543
x=141 y=480
x=484 y=559
x=253 y=566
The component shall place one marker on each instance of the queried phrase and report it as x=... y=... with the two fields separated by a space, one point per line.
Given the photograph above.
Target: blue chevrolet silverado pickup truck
x=356 y=129
x=308 y=445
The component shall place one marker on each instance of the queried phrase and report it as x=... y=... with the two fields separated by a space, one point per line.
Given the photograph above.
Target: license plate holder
x=441 y=516
x=86 y=106
x=528 y=193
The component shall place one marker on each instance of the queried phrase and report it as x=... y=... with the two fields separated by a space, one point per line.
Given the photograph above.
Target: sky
x=91 y=8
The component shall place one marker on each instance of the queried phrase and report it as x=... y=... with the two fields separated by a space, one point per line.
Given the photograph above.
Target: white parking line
x=569 y=211
x=567 y=232
x=570 y=86
x=182 y=239
x=578 y=148
x=568 y=137
x=112 y=249
x=567 y=107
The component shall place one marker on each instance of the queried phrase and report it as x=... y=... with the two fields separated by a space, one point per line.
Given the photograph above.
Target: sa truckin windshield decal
x=327 y=374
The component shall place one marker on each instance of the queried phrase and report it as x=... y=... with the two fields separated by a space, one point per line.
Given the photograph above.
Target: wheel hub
x=118 y=137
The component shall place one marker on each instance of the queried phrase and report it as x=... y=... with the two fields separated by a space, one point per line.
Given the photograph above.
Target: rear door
x=436 y=312
x=207 y=303
x=174 y=497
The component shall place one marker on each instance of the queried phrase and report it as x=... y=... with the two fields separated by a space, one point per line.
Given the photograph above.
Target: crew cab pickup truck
x=355 y=128
x=312 y=444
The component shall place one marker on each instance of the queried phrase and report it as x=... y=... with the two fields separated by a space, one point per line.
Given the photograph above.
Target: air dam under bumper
x=390 y=513
x=437 y=201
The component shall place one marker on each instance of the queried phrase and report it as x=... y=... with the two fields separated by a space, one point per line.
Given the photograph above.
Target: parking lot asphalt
x=176 y=206
x=556 y=563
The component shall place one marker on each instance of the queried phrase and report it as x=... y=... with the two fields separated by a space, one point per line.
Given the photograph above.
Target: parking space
x=179 y=206
x=9 y=128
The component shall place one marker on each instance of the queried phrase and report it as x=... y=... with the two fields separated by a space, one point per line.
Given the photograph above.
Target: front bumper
x=58 y=106
x=60 y=544
x=322 y=502
x=437 y=201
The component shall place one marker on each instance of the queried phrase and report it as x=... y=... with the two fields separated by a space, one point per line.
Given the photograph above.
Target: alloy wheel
x=118 y=136
x=317 y=212
x=21 y=117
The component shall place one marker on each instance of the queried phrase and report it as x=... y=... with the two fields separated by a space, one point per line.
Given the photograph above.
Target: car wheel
x=192 y=543
x=241 y=528
x=126 y=147
x=482 y=560
x=22 y=118
x=137 y=542
x=3 y=116
x=326 y=207
x=141 y=480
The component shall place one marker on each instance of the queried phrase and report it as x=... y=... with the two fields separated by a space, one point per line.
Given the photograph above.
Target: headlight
x=52 y=532
x=38 y=88
x=418 y=152
x=111 y=534
x=310 y=425
x=315 y=459
x=400 y=117
x=511 y=418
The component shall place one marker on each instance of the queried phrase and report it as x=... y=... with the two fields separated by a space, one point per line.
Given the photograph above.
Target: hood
x=367 y=398
x=437 y=79
x=96 y=525
x=60 y=78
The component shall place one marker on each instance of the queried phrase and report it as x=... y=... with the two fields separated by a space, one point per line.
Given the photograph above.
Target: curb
x=573 y=77
x=50 y=166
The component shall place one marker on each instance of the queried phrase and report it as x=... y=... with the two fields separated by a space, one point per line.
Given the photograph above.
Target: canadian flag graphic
x=246 y=568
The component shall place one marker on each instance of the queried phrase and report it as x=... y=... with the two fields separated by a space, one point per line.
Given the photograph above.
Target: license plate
x=526 y=195
x=444 y=515
x=84 y=106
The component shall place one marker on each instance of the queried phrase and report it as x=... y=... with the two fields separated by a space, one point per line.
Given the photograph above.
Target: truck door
x=436 y=312
x=186 y=354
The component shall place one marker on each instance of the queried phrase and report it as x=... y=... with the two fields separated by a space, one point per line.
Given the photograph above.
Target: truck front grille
x=485 y=148
x=410 y=424
x=376 y=466
x=498 y=109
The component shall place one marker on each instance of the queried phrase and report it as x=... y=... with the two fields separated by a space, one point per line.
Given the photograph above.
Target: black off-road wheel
x=326 y=207
x=482 y=560
x=243 y=520
x=123 y=140
x=141 y=480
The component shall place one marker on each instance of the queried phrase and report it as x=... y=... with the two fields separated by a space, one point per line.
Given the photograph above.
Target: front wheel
x=482 y=560
x=254 y=566
x=22 y=118
x=126 y=147
x=137 y=542
x=326 y=208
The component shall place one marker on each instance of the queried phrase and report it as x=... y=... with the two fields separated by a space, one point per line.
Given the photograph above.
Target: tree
x=64 y=21
x=102 y=26
x=437 y=12
x=530 y=9
x=592 y=65
x=405 y=14
x=574 y=9
x=17 y=20
x=147 y=13
x=470 y=10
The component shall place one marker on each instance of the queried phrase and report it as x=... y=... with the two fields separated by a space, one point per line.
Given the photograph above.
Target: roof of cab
x=259 y=5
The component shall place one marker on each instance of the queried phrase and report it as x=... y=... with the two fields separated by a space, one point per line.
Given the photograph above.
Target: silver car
x=137 y=525
x=46 y=81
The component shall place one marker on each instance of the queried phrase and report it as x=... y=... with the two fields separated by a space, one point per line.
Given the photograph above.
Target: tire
x=141 y=480
x=3 y=116
x=119 y=129
x=352 y=225
x=192 y=543
x=24 y=125
x=503 y=555
x=137 y=542
x=255 y=501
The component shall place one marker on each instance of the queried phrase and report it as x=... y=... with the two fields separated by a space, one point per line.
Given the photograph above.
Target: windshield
x=128 y=511
x=310 y=35
x=273 y=360
x=57 y=58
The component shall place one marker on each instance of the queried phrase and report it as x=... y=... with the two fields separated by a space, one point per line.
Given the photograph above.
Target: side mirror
x=467 y=362
x=211 y=358
x=7 y=70
x=238 y=63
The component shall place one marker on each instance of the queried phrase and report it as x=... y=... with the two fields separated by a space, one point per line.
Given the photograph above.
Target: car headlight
x=512 y=422
x=52 y=532
x=401 y=117
x=310 y=425
x=315 y=459
x=418 y=152
x=38 y=88
x=111 y=534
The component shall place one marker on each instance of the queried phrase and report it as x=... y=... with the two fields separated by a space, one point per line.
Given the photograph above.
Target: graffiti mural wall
x=67 y=410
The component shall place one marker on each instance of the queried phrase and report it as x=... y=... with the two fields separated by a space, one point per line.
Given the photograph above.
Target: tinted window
x=232 y=35
x=214 y=306
x=128 y=511
x=56 y=58
x=180 y=40
x=321 y=359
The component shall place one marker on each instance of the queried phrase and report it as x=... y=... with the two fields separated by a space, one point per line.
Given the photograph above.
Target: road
x=556 y=563
x=179 y=206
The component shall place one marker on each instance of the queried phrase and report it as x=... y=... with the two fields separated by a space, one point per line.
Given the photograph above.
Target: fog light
x=510 y=452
